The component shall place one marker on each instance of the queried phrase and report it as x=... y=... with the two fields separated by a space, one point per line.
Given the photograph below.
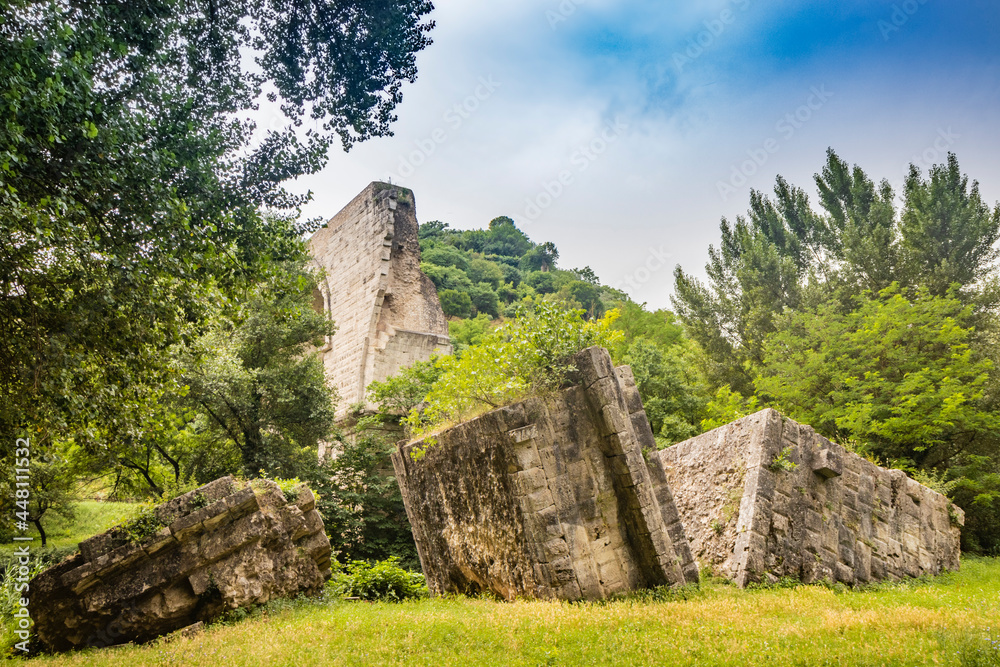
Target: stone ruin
x=386 y=310
x=223 y=546
x=765 y=497
x=567 y=497
x=548 y=498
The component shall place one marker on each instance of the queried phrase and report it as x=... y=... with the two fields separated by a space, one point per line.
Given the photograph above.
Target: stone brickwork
x=223 y=546
x=765 y=497
x=386 y=310
x=548 y=498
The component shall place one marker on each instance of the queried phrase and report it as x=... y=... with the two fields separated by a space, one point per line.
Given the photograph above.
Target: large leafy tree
x=786 y=255
x=895 y=375
x=132 y=179
x=256 y=379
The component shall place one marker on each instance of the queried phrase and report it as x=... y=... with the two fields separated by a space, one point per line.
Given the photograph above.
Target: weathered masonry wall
x=765 y=497
x=386 y=310
x=548 y=498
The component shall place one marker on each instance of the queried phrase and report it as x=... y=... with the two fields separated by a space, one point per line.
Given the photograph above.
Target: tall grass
x=940 y=621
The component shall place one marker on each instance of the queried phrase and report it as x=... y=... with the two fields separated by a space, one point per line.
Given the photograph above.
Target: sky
x=624 y=131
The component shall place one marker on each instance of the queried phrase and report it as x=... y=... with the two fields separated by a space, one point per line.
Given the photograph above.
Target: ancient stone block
x=386 y=310
x=225 y=547
x=549 y=498
x=823 y=512
x=827 y=464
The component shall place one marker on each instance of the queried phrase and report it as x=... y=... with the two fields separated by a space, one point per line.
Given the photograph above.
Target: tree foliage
x=896 y=374
x=132 y=181
x=786 y=255
x=531 y=353
x=874 y=322
x=255 y=376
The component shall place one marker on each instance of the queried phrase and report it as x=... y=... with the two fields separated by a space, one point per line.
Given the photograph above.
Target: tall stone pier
x=386 y=310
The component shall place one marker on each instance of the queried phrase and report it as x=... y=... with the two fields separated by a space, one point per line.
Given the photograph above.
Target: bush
x=531 y=354
x=384 y=580
x=455 y=303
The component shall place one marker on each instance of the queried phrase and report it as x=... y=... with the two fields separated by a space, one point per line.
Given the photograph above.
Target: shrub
x=384 y=580
x=530 y=354
x=455 y=303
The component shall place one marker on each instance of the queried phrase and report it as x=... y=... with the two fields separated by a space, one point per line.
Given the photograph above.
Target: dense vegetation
x=154 y=299
x=873 y=319
x=157 y=327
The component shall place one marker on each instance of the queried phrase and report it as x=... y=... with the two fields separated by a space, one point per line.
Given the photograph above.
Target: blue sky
x=623 y=131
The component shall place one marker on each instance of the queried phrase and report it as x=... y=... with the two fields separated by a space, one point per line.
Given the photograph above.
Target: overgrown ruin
x=765 y=497
x=222 y=546
x=386 y=310
x=566 y=497
x=548 y=498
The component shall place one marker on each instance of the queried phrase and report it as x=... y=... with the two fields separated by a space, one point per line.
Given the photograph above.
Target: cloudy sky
x=623 y=130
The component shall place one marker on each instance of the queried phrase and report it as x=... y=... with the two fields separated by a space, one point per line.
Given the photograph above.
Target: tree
x=671 y=390
x=505 y=239
x=896 y=375
x=49 y=487
x=485 y=271
x=455 y=303
x=361 y=504
x=948 y=233
x=540 y=258
x=132 y=187
x=784 y=255
x=256 y=380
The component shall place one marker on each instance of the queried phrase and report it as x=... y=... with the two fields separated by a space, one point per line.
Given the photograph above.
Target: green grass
x=949 y=620
x=92 y=517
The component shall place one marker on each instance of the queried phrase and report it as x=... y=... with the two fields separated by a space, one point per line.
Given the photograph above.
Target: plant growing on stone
x=142 y=526
x=782 y=462
x=531 y=354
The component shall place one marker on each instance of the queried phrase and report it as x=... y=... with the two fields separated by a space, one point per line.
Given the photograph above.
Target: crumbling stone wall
x=548 y=498
x=765 y=497
x=386 y=310
x=224 y=545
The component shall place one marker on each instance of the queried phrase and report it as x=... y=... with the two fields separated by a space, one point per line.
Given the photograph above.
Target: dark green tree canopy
x=131 y=182
x=784 y=255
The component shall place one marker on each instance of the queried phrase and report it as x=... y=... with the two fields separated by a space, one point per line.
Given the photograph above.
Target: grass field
x=91 y=517
x=949 y=620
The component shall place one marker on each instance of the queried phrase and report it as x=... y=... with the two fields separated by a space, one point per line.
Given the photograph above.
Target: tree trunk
x=41 y=531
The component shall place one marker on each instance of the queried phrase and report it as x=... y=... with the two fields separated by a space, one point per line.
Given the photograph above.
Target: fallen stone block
x=548 y=498
x=222 y=546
